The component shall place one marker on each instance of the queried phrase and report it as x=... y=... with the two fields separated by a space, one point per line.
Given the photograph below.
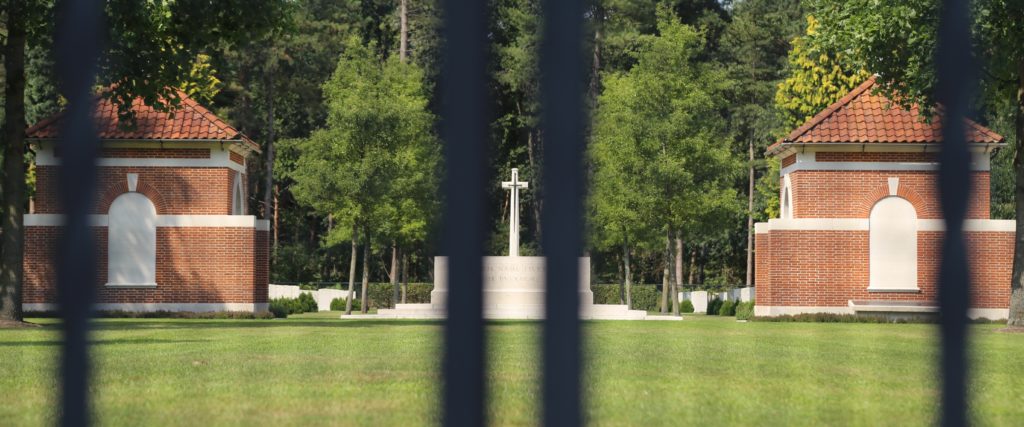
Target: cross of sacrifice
x=513 y=230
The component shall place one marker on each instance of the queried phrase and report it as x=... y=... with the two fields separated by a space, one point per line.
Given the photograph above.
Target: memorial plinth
x=513 y=288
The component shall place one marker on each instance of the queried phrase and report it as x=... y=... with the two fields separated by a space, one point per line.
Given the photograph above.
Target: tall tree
x=898 y=41
x=754 y=47
x=666 y=111
x=361 y=168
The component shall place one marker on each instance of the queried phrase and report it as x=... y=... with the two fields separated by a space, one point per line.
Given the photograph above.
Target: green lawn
x=319 y=370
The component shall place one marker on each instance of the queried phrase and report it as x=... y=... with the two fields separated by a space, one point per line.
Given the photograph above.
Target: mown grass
x=315 y=370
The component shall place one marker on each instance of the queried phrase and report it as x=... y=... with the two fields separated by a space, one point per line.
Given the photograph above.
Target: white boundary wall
x=323 y=297
x=700 y=299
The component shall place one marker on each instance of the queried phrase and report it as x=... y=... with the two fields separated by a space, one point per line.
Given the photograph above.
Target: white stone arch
x=786 y=201
x=238 y=196
x=893 y=245
x=131 y=241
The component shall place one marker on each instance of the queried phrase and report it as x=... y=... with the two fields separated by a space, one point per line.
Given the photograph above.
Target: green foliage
x=817 y=79
x=745 y=310
x=381 y=294
x=714 y=306
x=728 y=308
x=645 y=297
x=658 y=163
x=202 y=83
x=306 y=302
x=374 y=167
x=282 y=306
x=845 y=318
x=338 y=304
x=686 y=306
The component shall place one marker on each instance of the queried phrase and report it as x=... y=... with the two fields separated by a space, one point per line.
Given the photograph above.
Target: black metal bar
x=464 y=128
x=955 y=77
x=562 y=86
x=77 y=44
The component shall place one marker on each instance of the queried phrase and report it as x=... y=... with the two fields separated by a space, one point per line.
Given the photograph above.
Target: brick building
x=860 y=225
x=170 y=222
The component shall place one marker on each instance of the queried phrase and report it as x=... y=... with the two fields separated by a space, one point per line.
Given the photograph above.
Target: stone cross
x=513 y=230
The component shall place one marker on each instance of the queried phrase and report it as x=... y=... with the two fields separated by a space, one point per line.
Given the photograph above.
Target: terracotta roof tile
x=862 y=117
x=190 y=121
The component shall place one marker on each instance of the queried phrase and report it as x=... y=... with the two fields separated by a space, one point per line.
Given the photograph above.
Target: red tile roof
x=190 y=121
x=862 y=117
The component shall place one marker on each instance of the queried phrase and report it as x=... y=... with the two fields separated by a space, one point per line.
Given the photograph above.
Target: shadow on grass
x=118 y=341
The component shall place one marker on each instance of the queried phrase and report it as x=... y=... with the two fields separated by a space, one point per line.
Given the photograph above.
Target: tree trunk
x=693 y=266
x=405 y=275
x=622 y=282
x=366 y=272
x=395 y=292
x=352 y=270
x=665 y=279
x=628 y=273
x=268 y=186
x=13 y=186
x=403 y=34
x=277 y=215
x=677 y=273
x=750 y=216
x=1016 y=317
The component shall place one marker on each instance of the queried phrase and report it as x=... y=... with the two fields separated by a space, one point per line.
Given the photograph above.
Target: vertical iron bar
x=562 y=86
x=955 y=78
x=464 y=127
x=77 y=44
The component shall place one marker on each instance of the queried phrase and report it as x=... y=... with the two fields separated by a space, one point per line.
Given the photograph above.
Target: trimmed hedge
x=687 y=306
x=645 y=297
x=282 y=307
x=728 y=308
x=338 y=304
x=380 y=294
x=714 y=306
x=745 y=310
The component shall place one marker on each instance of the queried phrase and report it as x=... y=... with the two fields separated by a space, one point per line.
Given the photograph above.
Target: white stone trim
x=862 y=224
x=989 y=313
x=218 y=159
x=131 y=285
x=981 y=166
x=243 y=221
x=150 y=307
x=206 y=221
x=133 y=181
x=894 y=185
x=824 y=224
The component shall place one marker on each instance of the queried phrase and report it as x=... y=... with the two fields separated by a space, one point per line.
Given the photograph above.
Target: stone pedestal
x=513 y=288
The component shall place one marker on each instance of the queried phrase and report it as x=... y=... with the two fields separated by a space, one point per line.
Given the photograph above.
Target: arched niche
x=893 y=245
x=131 y=241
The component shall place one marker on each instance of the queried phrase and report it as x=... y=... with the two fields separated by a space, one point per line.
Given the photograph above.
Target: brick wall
x=829 y=268
x=193 y=265
x=177 y=190
x=852 y=194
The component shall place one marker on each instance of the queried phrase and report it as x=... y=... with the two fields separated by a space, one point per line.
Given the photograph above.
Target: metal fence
x=465 y=132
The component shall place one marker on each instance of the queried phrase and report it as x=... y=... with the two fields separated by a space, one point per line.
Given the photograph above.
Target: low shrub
x=171 y=314
x=714 y=306
x=745 y=310
x=687 y=306
x=280 y=307
x=645 y=297
x=728 y=308
x=338 y=304
x=307 y=304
